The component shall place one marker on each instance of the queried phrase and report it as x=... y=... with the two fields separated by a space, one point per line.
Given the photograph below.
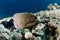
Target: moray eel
x=24 y=20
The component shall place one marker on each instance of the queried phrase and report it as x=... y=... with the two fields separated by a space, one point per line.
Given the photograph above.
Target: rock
x=17 y=36
x=6 y=19
x=37 y=38
x=40 y=26
x=4 y=33
x=28 y=35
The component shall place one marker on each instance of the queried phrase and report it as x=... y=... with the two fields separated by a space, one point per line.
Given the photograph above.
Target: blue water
x=9 y=7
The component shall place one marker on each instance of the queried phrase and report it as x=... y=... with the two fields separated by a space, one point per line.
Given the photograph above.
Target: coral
x=43 y=25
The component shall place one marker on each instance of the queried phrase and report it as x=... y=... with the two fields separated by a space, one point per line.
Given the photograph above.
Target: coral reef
x=43 y=25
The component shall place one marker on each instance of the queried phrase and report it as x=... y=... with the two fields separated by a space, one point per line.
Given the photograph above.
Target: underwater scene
x=30 y=21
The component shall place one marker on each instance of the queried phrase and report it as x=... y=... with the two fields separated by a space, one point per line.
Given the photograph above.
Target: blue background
x=9 y=7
